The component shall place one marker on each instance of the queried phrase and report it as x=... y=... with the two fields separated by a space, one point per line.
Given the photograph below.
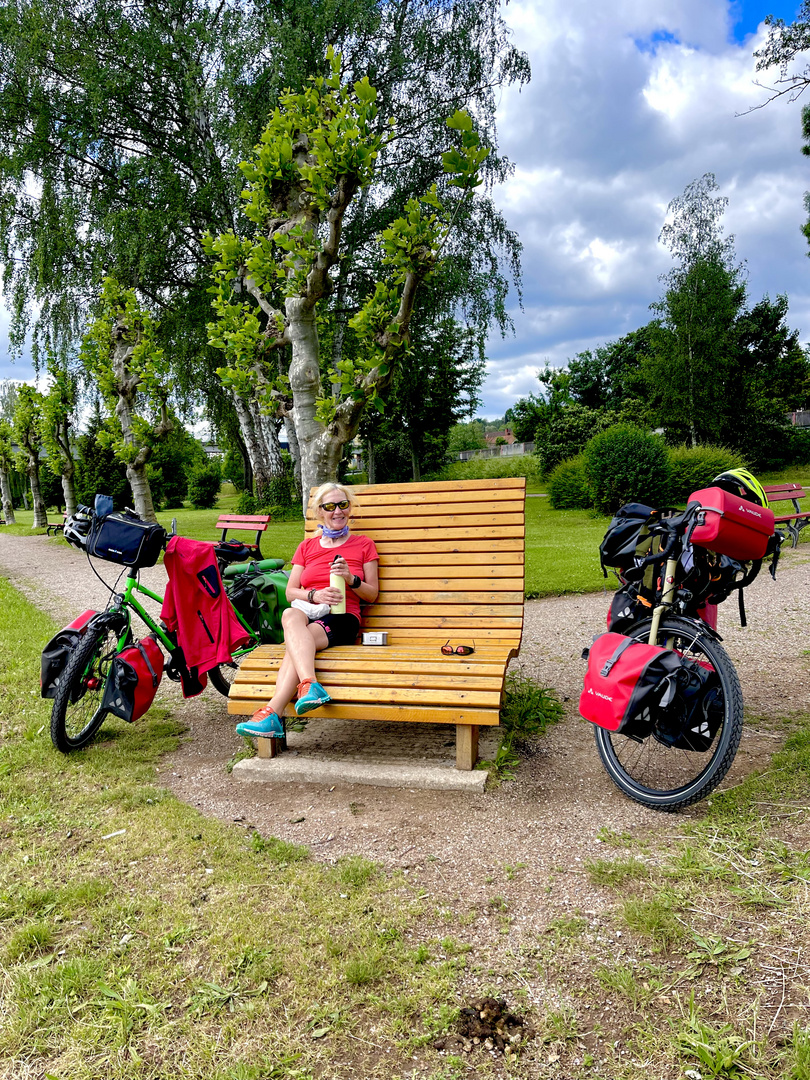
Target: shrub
x=246 y=503
x=566 y=433
x=568 y=485
x=693 y=467
x=625 y=464
x=203 y=486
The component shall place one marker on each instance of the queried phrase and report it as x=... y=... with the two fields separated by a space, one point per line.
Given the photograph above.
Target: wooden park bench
x=54 y=528
x=796 y=521
x=248 y=523
x=451 y=567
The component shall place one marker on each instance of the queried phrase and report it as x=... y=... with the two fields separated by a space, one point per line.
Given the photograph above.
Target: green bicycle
x=78 y=707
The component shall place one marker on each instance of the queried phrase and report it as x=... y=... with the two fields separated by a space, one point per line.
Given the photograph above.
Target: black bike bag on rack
x=126 y=539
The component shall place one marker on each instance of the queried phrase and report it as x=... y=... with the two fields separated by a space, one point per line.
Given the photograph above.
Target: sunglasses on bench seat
x=329 y=507
x=460 y=650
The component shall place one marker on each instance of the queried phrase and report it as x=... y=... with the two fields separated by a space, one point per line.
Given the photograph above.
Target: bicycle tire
x=77 y=714
x=664 y=777
x=221 y=677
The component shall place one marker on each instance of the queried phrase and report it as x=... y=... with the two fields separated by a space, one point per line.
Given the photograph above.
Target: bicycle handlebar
x=675 y=528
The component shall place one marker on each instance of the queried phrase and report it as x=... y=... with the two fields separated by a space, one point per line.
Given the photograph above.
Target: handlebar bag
x=127 y=540
x=730 y=525
x=625 y=682
x=625 y=534
x=57 y=652
x=135 y=675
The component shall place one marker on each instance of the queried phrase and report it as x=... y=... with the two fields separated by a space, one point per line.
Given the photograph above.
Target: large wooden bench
x=796 y=521
x=451 y=567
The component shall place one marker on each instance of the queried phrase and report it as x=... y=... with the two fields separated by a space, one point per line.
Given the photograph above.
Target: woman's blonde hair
x=324 y=489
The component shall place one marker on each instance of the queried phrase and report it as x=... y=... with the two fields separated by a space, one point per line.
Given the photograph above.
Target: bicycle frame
x=127 y=602
x=667 y=598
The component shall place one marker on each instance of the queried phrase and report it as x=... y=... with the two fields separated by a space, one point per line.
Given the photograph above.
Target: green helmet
x=743 y=483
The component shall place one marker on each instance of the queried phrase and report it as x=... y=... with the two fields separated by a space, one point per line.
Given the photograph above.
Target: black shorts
x=340 y=629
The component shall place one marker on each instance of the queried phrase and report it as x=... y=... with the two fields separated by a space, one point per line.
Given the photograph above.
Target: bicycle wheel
x=666 y=777
x=77 y=713
x=222 y=676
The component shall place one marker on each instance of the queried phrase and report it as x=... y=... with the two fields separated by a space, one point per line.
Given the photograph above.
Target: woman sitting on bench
x=306 y=631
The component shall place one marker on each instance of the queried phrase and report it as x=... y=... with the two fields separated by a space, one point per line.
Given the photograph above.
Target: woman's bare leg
x=302 y=639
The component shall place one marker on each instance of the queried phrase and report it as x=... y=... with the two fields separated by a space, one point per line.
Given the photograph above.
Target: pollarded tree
x=28 y=435
x=6 y=469
x=121 y=353
x=58 y=408
x=317 y=154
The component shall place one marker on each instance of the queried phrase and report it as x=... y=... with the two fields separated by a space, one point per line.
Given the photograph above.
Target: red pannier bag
x=58 y=651
x=134 y=677
x=730 y=525
x=625 y=681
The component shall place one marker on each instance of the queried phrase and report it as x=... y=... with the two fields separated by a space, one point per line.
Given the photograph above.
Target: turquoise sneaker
x=311 y=695
x=264 y=722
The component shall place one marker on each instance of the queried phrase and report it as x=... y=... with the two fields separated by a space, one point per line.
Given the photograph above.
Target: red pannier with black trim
x=730 y=525
x=625 y=681
x=135 y=675
x=58 y=651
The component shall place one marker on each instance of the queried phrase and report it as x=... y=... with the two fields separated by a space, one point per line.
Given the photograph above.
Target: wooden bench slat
x=496 y=545
x=460 y=525
x=386 y=713
x=396 y=680
x=393 y=668
x=475 y=611
x=393 y=695
x=411 y=594
x=464 y=507
x=497 y=586
x=492 y=562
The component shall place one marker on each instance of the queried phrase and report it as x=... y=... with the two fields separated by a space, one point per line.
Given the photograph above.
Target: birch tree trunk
x=40 y=513
x=254 y=445
x=295 y=453
x=8 y=504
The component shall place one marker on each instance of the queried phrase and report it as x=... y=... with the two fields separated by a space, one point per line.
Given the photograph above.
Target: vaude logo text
x=749 y=510
x=604 y=697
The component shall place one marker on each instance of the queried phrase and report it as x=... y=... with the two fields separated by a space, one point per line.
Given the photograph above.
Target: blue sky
x=629 y=102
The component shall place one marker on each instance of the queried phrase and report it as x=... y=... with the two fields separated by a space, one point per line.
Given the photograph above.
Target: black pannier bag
x=624 y=536
x=244 y=597
x=126 y=539
x=135 y=675
x=696 y=712
x=58 y=651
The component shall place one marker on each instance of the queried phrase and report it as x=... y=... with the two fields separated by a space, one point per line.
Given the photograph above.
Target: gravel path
x=525 y=840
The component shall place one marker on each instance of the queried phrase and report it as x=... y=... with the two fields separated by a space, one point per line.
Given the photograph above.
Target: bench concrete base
x=300 y=769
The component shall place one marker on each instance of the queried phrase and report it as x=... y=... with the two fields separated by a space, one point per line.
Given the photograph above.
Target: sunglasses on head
x=460 y=650
x=329 y=507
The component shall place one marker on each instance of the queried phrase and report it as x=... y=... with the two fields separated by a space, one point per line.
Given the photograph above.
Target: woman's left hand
x=341 y=568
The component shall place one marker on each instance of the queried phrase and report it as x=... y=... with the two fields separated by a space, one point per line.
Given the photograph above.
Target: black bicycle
x=676 y=765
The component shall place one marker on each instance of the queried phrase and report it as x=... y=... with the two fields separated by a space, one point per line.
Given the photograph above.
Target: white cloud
x=629 y=102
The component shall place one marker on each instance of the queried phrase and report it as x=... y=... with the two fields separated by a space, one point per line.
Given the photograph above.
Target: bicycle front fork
x=667 y=597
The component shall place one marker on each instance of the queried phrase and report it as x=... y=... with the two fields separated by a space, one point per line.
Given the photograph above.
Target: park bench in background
x=796 y=521
x=54 y=528
x=451 y=566
x=247 y=523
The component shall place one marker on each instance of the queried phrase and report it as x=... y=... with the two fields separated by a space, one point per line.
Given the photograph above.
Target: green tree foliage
x=468 y=436
x=203 y=485
x=565 y=431
x=525 y=416
x=121 y=353
x=98 y=469
x=174 y=458
x=58 y=410
x=28 y=436
x=317 y=154
x=693 y=348
x=122 y=128
x=436 y=386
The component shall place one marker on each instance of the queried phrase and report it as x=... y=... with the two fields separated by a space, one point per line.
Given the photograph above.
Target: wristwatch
x=311 y=595
x=356 y=581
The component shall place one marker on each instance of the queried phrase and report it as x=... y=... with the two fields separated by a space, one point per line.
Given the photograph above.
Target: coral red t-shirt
x=316 y=560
